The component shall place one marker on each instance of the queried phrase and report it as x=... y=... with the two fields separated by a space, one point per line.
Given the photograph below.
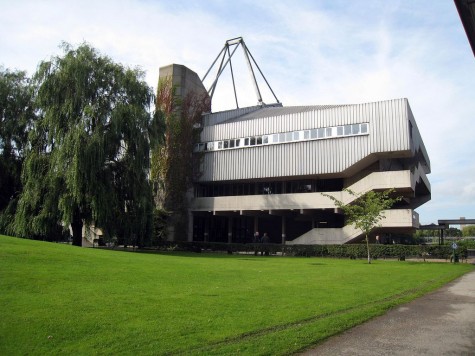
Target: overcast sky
x=311 y=52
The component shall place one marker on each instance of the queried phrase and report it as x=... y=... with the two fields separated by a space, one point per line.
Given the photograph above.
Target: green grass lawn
x=60 y=299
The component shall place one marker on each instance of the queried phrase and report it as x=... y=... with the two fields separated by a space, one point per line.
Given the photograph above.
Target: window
x=364 y=128
x=291 y=136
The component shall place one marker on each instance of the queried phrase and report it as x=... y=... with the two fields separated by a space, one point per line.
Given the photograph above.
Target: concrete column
x=284 y=229
x=256 y=224
x=206 y=237
x=190 y=226
x=230 y=229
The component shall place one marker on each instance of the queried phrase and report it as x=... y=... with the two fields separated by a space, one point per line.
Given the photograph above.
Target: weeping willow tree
x=173 y=164
x=89 y=150
x=16 y=116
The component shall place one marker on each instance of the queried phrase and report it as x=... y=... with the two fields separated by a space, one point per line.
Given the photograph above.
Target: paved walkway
x=439 y=323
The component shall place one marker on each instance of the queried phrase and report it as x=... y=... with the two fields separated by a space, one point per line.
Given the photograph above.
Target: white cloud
x=310 y=52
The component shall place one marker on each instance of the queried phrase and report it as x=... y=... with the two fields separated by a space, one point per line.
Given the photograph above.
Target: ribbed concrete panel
x=285 y=160
x=217 y=118
x=389 y=132
x=275 y=120
x=417 y=143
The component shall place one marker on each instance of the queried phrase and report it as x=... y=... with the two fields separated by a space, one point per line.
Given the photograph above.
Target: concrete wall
x=400 y=180
x=395 y=219
x=183 y=78
x=390 y=134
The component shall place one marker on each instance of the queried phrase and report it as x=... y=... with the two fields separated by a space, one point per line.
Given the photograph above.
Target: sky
x=311 y=53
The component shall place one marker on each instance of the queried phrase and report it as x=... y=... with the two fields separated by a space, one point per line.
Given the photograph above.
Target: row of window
x=265 y=188
x=285 y=137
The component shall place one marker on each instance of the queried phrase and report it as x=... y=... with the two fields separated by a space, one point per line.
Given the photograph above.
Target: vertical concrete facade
x=186 y=82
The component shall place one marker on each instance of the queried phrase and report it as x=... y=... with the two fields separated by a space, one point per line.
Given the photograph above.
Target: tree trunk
x=367 y=248
x=76 y=226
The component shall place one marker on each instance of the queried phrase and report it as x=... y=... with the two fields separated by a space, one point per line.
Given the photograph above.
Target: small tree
x=366 y=210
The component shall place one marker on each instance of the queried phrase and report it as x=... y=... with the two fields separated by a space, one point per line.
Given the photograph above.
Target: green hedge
x=338 y=251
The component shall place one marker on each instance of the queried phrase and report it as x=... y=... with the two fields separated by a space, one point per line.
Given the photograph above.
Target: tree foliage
x=16 y=116
x=367 y=210
x=468 y=231
x=89 y=155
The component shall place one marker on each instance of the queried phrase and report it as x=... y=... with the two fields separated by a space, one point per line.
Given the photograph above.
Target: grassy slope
x=61 y=299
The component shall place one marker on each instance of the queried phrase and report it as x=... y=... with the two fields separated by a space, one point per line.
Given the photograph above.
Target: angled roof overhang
x=466 y=9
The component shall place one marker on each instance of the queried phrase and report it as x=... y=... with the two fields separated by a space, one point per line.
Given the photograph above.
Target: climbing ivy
x=173 y=165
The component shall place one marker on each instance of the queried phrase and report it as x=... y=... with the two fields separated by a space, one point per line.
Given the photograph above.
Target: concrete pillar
x=190 y=226
x=284 y=229
x=256 y=224
x=230 y=229
x=206 y=237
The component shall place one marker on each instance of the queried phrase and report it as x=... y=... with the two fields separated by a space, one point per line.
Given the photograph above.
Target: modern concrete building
x=264 y=168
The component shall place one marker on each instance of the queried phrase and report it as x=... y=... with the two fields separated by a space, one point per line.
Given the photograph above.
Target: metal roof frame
x=226 y=54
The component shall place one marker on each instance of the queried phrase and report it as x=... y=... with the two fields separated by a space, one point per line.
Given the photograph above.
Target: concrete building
x=264 y=168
